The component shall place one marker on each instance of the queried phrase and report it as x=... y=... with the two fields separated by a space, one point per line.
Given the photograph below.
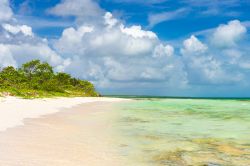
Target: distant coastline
x=176 y=97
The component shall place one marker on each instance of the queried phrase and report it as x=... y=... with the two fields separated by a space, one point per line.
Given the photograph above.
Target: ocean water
x=180 y=132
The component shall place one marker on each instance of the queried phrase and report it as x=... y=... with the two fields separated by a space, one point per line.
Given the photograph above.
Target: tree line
x=37 y=79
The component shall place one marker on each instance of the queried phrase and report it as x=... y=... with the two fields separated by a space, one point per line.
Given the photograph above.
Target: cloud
x=73 y=39
x=112 y=53
x=163 y=51
x=119 y=55
x=157 y=18
x=26 y=30
x=42 y=23
x=137 y=32
x=205 y=66
x=193 y=46
x=28 y=51
x=227 y=35
x=5 y=11
x=206 y=69
x=6 y=57
x=16 y=54
x=80 y=8
x=18 y=44
x=109 y=20
x=105 y=40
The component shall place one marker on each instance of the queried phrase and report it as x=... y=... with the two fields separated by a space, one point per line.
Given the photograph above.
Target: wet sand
x=82 y=135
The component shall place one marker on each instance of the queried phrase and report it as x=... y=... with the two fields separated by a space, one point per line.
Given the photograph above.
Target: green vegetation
x=37 y=79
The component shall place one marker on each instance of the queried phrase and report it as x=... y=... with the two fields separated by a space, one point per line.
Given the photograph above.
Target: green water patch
x=186 y=131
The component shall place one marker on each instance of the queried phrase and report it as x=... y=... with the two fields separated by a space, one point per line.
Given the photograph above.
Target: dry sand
x=78 y=136
x=14 y=110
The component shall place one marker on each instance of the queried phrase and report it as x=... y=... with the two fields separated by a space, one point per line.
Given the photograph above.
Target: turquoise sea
x=182 y=132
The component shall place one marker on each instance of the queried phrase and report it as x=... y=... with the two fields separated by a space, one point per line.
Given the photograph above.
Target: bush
x=40 y=78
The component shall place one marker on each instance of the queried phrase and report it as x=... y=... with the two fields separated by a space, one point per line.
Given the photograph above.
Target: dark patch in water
x=133 y=120
x=170 y=158
x=151 y=137
x=211 y=164
x=123 y=145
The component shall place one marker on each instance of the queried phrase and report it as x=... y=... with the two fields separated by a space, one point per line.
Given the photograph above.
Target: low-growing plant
x=37 y=79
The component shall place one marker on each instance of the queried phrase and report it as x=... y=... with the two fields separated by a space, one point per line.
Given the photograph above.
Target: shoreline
x=14 y=110
x=108 y=131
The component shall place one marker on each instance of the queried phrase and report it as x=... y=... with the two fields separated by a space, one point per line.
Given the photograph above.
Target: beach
x=121 y=132
x=62 y=131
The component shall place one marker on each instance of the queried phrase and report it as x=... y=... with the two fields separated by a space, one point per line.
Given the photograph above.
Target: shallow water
x=185 y=132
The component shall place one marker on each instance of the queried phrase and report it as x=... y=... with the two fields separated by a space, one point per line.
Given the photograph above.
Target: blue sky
x=196 y=15
x=157 y=47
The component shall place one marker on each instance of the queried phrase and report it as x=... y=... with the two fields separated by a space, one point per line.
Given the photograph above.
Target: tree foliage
x=37 y=79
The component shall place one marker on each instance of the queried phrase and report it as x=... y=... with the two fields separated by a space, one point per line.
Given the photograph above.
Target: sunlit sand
x=80 y=135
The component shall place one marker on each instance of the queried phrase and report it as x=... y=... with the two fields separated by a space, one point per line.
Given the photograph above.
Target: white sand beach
x=14 y=110
x=61 y=131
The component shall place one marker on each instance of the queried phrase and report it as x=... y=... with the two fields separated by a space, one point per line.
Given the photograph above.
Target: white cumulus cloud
x=193 y=46
x=109 y=20
x=112 y=52
x=227 y=35
x=137 y=32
